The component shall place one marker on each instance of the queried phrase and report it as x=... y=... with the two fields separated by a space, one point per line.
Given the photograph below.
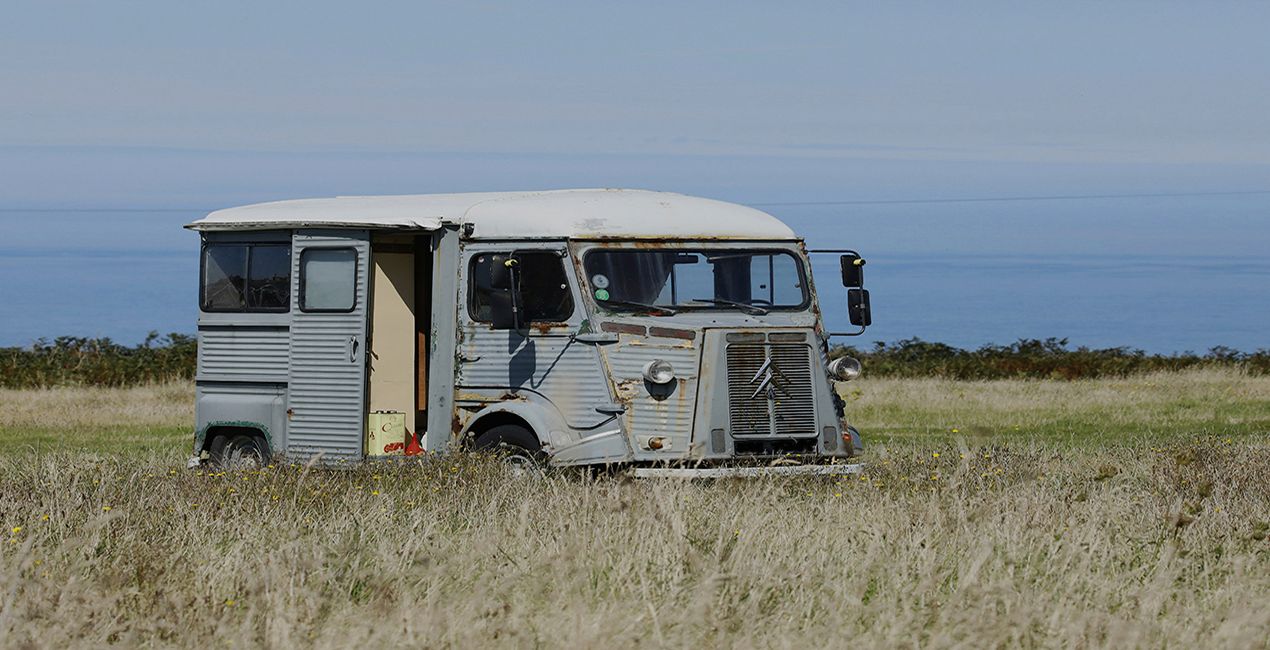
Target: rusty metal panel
x=547 y=360
x=647 y=413
x=564 y=371
x=442 y=339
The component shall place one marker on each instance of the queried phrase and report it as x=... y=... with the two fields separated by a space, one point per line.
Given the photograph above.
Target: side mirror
x=858 y=310
x=852 y=270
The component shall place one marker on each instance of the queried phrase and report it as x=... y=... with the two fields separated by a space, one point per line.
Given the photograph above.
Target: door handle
x=352 y=349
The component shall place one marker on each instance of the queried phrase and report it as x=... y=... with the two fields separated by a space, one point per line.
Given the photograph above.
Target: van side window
x=544 y=288
x=328 y=279
x=246 y=278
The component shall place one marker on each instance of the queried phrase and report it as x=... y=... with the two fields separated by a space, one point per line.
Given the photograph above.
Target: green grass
x=1143 y=410
x=116 y=439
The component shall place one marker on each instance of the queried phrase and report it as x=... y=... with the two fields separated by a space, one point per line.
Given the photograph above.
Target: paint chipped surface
x=653 y=410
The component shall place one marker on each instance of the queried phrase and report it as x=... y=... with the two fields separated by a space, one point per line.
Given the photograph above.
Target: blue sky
x=208 y=104
x=200 y=105
x=1167 y=92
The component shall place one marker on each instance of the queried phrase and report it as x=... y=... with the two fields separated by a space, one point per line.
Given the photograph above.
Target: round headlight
x=658 y=371
x=844 y=368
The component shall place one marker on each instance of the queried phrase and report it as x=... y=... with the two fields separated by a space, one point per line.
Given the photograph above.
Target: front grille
x=770 y=391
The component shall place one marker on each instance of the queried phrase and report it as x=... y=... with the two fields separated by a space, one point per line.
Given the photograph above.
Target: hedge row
x=67 y=361
x=1038 y=359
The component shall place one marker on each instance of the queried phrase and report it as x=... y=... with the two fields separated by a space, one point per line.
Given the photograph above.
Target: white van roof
x=554 y=214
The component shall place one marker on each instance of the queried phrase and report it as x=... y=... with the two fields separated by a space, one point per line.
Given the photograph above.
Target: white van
x=563 y=327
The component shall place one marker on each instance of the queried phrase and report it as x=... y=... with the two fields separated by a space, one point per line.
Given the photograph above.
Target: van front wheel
x=517 y=447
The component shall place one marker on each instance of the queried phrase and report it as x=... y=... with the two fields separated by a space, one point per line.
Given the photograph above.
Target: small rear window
x=246 y=278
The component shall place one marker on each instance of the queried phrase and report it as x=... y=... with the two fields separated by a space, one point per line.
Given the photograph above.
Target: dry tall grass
x=94 y=408
x=1026 y=547
x=155 y=417
x=939 y=544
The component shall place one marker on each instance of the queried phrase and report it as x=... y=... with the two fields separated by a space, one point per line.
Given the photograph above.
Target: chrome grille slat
x=786 y=410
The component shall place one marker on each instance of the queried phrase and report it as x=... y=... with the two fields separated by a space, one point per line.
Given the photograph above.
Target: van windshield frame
x=687 y=278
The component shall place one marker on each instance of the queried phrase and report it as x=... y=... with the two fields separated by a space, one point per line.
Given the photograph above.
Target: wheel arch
x=225 y=429
x=531 y=417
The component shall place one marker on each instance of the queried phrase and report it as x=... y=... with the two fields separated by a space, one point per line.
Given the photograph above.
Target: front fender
x=545 y=423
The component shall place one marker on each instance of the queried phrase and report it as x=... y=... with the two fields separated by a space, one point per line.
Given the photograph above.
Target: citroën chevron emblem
x=773 y=381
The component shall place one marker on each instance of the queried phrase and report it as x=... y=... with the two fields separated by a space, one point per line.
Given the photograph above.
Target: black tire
x=517 y=446
x=239 y=451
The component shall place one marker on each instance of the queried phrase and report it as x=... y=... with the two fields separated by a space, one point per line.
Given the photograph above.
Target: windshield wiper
x=631 y=303
x=753 y=309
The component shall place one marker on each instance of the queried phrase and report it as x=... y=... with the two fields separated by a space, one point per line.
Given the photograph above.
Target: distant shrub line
x=1038 y=359
x=75 y=361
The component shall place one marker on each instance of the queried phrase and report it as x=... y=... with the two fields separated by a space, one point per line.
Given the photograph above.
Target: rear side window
x=544 y=288
x=246 y=278
x=328 y=279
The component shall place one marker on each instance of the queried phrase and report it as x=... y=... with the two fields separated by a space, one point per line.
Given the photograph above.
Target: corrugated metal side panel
x=644 y=414
x=243 y=352
x=566 y=373
x=326 y=389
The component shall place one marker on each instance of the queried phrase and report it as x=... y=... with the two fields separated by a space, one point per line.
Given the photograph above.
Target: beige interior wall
x=392 y=334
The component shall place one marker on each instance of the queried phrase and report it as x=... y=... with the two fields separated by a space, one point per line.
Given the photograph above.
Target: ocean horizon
x=124 y=275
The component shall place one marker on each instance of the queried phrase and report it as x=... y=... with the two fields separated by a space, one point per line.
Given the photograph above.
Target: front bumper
x=746 y=472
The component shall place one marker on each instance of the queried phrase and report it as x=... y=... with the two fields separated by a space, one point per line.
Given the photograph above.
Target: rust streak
x=545 y=327
x=672 y=333
x=623 y=328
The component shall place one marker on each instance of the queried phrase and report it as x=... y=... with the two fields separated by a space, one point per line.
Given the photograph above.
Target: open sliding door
x=327 y=378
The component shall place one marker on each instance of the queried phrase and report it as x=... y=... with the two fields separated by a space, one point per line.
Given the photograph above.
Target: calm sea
x=122 y=275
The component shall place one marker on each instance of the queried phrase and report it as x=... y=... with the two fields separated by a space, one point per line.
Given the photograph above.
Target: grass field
x=1119 y=513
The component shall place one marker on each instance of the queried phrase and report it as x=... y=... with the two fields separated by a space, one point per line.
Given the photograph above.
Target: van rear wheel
x=238 y=451
x=516 y=446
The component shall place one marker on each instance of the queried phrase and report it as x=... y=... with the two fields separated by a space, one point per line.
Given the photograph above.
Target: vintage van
x=571 y=327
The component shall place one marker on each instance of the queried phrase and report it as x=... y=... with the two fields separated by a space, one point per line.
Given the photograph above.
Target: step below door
x=327 y=378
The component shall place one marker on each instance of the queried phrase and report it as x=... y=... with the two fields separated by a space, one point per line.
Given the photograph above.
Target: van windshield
x=669 y=280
